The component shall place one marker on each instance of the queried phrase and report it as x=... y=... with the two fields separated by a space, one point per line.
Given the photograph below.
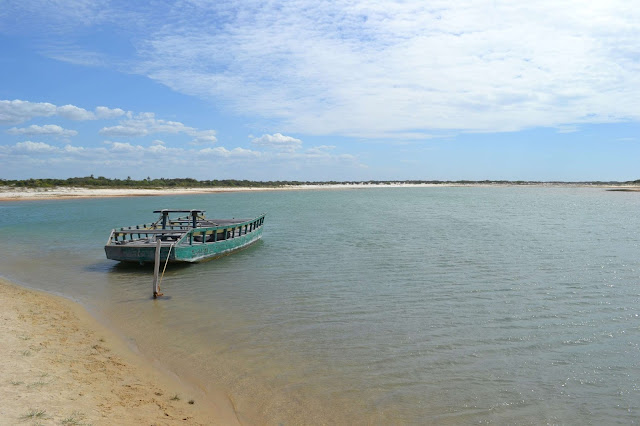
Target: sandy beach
x=59 y=366
x=22 y=194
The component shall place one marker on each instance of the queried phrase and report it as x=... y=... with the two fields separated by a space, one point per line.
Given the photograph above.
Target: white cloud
x=146 y=124
x=370 y=67
x=17 y=111
x=46 y=130
x=34 y=147
x=29 y=158
x=124 y=147
x=124 y=130
x=321 y=150
x=48 y=16
x=278 y=141
x=104 y=112
x=74 y=149
x=220 y=151
x=72 y=112
x=157 y=149
x=204 y=137
x=362 y=67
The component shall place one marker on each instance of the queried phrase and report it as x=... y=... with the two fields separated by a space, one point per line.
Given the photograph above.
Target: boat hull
x=189 y=253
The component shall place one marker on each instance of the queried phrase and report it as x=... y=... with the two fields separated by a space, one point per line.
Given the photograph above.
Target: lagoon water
x=373 y=306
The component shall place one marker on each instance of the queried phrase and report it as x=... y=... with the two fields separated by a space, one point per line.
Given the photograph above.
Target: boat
x=188 y=238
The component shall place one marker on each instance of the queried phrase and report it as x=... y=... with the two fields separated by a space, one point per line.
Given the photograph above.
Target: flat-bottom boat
x=190 y=238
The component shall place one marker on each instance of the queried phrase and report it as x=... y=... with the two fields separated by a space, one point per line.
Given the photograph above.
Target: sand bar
x=60 y=366
x=21 y=194
x=65 y=192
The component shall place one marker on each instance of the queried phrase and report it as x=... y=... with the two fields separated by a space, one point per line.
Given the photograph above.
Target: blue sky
x=310 y=90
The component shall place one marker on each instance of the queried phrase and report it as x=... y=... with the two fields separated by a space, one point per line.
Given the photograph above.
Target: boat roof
x=178 y=211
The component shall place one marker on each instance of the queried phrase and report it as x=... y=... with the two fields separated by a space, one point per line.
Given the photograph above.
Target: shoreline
x=61 y=365
x=59 y=193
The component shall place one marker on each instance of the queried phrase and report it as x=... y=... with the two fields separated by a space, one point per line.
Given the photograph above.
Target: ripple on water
x=450 y=305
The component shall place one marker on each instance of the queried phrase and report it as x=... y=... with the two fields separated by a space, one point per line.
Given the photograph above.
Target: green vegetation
x=35 y=414
x=74 y=419
x=39 y=383
x=103 y=182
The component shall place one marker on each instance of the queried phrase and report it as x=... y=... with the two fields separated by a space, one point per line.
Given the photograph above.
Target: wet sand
x=60 y=366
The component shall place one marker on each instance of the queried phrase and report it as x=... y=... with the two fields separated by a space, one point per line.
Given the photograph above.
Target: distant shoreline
x=65 y=192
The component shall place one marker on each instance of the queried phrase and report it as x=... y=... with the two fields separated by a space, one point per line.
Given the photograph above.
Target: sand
x=60 y=366
x=21 y=194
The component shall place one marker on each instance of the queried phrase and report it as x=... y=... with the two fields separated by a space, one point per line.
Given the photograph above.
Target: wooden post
x=165 y=215
x=156 y=268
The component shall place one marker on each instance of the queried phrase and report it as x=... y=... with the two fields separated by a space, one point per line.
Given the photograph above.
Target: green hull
x=189 y=253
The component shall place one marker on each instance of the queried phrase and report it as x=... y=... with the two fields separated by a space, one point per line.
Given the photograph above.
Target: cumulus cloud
x=124 y=130
x=33 y=147
x=17 y=111
x=146 y=124
x=157 y=148
x=204 y=137
x=124 y=147
x=74 y=149
x=278 y=141
x=115 y=157
x=105 y=113
x=72 y=112
x=220 y=151
x=46 y=130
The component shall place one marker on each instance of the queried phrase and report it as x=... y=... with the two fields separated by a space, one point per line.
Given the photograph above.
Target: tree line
x=103 y=182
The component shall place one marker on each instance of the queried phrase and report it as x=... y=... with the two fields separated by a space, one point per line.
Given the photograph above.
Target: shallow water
x=399 y=305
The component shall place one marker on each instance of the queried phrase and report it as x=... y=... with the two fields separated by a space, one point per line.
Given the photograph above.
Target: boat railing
x=181 y=233
x=212 y=234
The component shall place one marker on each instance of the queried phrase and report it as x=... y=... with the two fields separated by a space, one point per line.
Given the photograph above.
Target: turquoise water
x=399 y=305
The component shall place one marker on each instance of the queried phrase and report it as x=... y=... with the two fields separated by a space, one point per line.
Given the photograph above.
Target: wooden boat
x=191 y=238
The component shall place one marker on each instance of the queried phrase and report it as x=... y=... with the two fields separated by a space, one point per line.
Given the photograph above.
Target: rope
x=165 y=266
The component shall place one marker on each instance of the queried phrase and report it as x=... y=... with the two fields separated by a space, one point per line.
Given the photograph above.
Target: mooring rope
x=165 y=266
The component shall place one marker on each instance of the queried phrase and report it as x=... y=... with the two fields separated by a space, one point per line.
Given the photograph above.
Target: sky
x=316 y=90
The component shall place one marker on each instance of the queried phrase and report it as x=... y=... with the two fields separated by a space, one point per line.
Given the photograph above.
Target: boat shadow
x=131 y=267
